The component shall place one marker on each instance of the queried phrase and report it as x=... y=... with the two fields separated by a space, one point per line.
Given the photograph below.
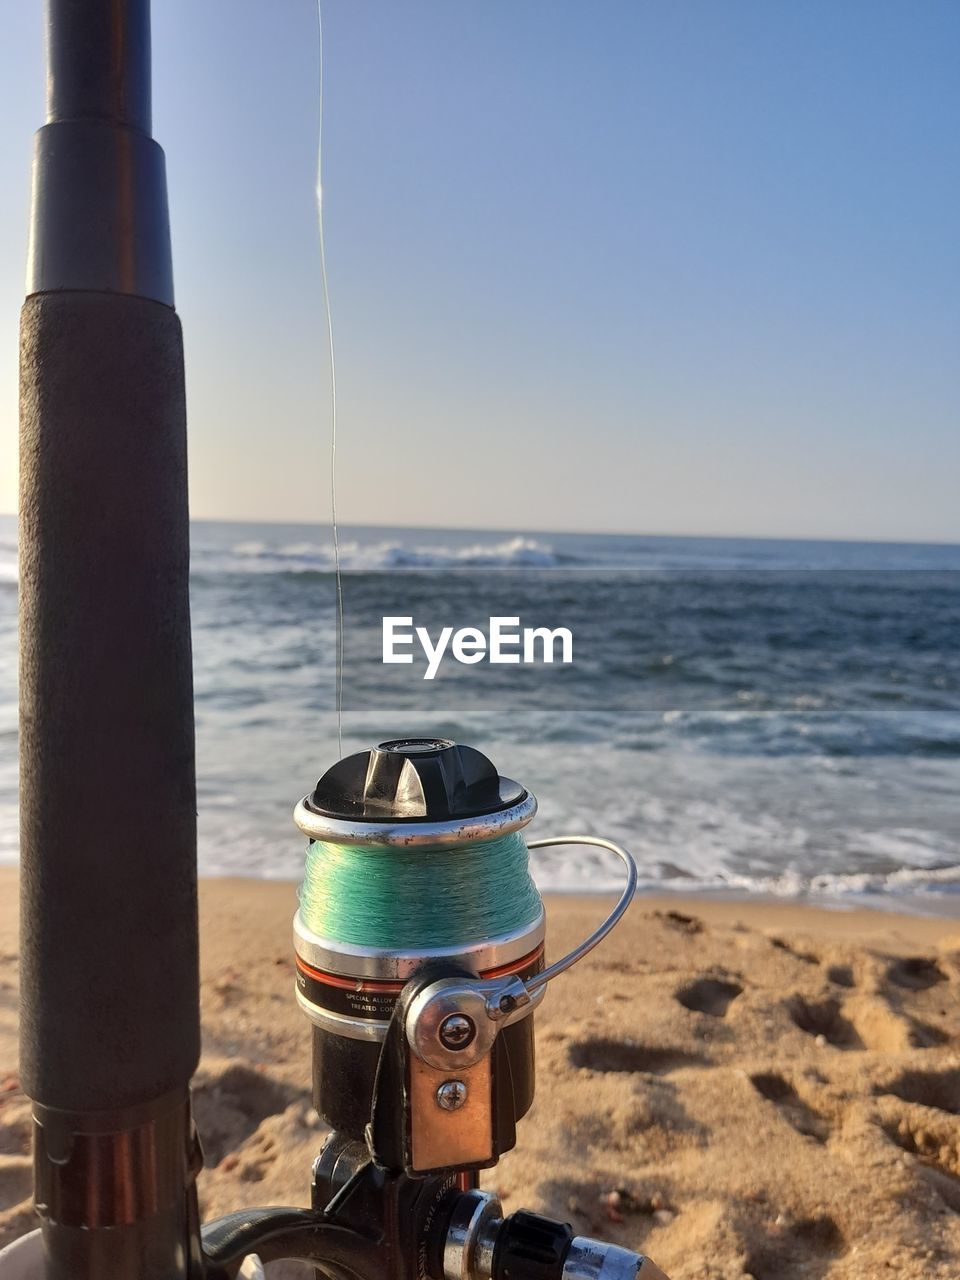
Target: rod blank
x=98 y=61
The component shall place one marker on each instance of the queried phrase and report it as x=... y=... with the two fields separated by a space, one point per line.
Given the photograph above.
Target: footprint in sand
x=803 y=1250
x=791 y=1106
x=677 y=920
x=824 y=1018
x=806 y=957
x=925 y=1036
x=863 y=1022
x=230 y=1106
x=713 y=996
x=925 y=1127
x=841 y=975
x=630 y=1056
x=915 y=973
x=934 y=1143
x=939 y=1089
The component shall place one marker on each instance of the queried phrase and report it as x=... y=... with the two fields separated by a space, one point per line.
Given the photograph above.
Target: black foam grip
x=109 y=972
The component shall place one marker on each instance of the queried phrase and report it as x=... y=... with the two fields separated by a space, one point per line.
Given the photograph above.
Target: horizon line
x=586 y=533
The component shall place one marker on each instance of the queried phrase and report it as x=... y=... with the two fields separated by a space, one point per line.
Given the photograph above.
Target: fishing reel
x=420 y=963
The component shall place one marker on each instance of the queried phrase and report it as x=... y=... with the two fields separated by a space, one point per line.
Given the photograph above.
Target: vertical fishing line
x=333 y=386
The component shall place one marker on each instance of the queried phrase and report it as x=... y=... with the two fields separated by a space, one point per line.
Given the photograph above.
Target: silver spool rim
x=485 y=826
x=350 y=960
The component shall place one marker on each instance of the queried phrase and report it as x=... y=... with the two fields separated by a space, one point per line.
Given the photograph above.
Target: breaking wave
x=309 y=557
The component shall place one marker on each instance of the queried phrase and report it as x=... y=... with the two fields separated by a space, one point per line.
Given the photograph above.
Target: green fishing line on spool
x=406 y=898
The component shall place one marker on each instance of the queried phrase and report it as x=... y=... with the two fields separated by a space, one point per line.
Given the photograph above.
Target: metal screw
x=451 y=1095
x=457 y=1031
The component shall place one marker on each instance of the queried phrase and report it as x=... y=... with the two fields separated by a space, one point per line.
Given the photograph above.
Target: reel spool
x=419 y=948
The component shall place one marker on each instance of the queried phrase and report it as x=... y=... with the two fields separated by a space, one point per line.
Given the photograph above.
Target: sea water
x=764 y=717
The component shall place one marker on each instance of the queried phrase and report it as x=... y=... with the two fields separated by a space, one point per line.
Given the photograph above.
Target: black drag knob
x=530 y=1247
x=414 y=780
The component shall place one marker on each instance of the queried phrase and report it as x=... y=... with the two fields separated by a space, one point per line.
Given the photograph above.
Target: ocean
x=749 y=717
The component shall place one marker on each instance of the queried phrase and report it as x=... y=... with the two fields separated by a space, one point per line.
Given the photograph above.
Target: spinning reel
x=423 y=1047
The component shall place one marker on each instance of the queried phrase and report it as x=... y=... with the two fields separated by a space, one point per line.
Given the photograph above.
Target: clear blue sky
x=684 y=266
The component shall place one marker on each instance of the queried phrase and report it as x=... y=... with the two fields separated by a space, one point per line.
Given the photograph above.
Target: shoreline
x=716 y=903
x=944 y=908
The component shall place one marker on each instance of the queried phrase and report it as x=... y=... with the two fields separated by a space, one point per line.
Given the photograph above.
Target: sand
x=737 y=1089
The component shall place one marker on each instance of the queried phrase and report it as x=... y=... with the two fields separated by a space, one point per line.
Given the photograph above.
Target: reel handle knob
x=479 y=1244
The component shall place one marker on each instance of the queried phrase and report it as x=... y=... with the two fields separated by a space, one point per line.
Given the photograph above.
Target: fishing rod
x=420 y=934
x=109 y=1027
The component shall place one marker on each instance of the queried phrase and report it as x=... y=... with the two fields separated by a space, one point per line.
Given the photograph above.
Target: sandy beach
x=739 y=1089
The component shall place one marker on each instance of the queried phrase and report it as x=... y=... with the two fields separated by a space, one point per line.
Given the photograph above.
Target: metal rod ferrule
x=110 y=1189
x=107 y=1169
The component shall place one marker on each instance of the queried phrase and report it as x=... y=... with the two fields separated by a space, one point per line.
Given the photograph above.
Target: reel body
x=406 y=802
x=422 y=1006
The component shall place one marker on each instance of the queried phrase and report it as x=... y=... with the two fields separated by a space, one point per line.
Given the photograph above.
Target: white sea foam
x=8 y=555
x=569 y=872
x=308 y=557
